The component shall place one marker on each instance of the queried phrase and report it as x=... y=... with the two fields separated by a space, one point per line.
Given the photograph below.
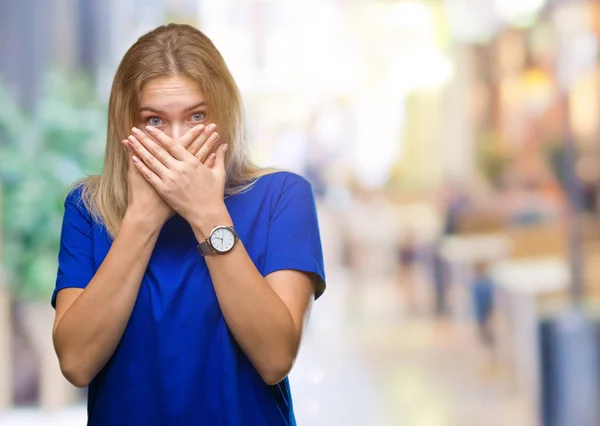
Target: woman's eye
x=154 y=121
x=199 y=116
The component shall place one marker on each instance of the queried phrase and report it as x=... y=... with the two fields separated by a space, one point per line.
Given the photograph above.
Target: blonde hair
x=168 y=50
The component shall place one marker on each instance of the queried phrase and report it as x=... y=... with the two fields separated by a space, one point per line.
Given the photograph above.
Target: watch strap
x=205 y=248
x=235 y=235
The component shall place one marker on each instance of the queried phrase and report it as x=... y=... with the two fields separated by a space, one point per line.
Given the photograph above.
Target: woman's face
x=172 y=104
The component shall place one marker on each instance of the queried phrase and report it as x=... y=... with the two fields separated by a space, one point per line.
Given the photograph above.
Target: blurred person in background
x=588 y=174
x=186 y=274
x=482 y=295
x=455 y=204
x=407 y=253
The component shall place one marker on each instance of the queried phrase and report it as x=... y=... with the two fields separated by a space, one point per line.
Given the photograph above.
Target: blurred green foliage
x=42 y=152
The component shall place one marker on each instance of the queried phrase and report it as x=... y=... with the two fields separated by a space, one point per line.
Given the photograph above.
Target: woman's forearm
x=259 y=320
x=87 y=334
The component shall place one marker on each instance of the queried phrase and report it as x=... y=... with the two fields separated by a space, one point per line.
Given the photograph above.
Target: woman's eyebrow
x=158 y=111
x=198 y=105
x=147 y=108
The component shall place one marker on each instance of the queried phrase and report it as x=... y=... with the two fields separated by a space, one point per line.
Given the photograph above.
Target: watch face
x=222 y=239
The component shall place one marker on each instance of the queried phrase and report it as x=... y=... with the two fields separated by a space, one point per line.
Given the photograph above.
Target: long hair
x=169 y=50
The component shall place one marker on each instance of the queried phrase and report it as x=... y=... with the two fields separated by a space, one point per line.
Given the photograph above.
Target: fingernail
x=214 y=137
x=150 y=129
x=136 y=131
x=225 y=148
x=135 y=159
x=199 y=128
x=211 y=127
x=131 y=140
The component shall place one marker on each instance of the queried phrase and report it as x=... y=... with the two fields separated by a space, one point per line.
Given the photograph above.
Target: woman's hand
x=143 y=200
x=193 y=189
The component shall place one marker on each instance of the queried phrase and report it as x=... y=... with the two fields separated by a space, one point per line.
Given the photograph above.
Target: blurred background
x=454 y=149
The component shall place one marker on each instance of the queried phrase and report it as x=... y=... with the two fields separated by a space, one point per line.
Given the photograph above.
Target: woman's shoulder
x=76 y=192
x=76 y=197
x=282 y=180
x=270 y=188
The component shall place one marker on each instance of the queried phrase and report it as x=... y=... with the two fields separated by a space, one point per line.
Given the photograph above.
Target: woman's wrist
x=204 y=220
x=142 y=221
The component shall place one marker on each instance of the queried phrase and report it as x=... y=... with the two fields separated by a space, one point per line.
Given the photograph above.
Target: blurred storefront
x=439 y=137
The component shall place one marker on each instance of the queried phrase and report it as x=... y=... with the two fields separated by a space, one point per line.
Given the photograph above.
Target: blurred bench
x=478 y=222
x=535 y=274
x=591 y=257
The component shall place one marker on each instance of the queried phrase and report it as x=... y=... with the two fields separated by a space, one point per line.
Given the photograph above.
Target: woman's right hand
x=143 y=202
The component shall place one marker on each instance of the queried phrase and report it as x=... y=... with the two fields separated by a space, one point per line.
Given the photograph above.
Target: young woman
x=186 y=274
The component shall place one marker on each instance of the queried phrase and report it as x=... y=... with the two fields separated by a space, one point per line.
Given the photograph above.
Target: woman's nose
x=177 y=131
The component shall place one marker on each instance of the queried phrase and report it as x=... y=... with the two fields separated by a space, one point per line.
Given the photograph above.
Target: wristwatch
x=220 y=241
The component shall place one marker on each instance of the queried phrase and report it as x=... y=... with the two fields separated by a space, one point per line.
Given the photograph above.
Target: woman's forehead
x=173 y=93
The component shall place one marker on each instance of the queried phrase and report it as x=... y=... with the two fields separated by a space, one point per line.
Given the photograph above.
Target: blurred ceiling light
x=471 y=20
x=425 y=67
x=406 y=34
x=478 y=20
x=409 y=14
x=516 y=10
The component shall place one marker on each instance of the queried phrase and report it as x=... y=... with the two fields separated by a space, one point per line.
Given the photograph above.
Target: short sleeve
x=294 y=240
x=76 y=266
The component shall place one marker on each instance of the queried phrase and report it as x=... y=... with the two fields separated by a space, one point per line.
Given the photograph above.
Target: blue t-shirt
x=177 y=363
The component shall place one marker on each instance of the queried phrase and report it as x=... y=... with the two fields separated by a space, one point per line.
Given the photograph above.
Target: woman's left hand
x=191 y=188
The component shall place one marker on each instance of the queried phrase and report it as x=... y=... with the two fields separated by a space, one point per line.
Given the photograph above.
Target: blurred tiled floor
x=366 y=362
x=369 y=360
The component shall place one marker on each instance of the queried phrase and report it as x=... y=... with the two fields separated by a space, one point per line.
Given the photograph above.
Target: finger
x=208 y=147
x=161 y=137
x=175 y=149
x=200 y=141
x=220 y=158
x=187 y=139
x=153 y=147
x=125 y=143
x=146 y=157
x=148 y=174
x=210 y=161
